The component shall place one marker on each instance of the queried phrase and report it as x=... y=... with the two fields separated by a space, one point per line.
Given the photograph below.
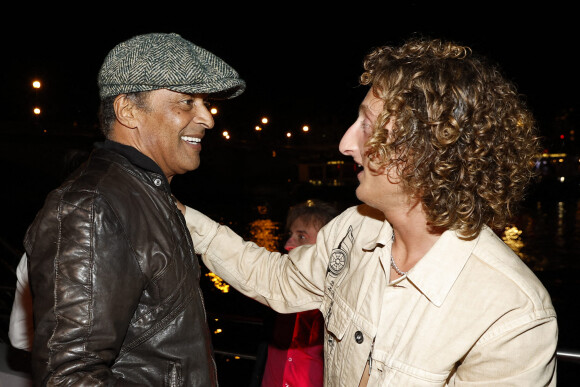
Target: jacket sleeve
x=286 y=282
x=86 y=285
x=21 y=328
x=521 y=353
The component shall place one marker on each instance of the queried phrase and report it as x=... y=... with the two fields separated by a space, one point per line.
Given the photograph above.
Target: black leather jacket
x=115 y=280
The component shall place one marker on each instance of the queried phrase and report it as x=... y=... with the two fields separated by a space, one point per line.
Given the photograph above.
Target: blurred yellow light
x=219 y=283
x=512 y=237
x=213 y=110
x=217 y=331
x=36 y=84
x=36 y=111
x=264 y=120
x=258 y=128
x=305 y=128
x=288 y=134
x=264 y=232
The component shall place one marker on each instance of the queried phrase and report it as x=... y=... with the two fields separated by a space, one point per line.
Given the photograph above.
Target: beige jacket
x=468 y=312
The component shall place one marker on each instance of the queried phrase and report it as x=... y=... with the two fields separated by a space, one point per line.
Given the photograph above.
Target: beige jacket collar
x=435 y=274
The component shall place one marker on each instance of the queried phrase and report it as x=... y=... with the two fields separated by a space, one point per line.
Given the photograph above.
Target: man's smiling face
x=171 y=128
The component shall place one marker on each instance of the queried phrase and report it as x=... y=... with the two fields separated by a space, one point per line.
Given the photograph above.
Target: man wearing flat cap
x=114 y=278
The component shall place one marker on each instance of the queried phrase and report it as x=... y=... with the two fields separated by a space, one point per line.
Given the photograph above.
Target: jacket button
x=358 y=336
x=157 y=182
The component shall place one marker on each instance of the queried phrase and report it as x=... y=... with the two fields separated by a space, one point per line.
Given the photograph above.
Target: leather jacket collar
x=134 y=156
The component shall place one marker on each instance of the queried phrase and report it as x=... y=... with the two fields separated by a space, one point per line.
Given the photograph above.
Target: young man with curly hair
x=414 y=285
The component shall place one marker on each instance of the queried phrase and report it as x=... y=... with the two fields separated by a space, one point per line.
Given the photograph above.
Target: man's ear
x=125 y=111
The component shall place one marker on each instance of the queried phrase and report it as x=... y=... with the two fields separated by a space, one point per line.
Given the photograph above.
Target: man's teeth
x=191 y=140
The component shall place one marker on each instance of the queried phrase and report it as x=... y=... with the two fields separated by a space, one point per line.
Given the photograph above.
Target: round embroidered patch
x=337 y=261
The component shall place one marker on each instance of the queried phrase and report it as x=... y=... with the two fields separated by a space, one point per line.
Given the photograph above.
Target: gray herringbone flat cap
x=166 y=61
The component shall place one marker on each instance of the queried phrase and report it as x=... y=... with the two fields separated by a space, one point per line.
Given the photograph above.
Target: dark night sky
x=299 y=64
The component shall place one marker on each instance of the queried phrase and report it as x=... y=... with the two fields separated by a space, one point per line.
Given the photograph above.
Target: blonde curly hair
x=461 y=138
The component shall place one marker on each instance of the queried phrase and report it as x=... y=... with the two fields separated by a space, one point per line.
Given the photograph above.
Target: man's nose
x=204 y=117
x=347 y=144
x=290 y=244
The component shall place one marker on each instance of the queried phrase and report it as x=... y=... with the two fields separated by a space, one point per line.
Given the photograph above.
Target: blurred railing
x=568 y=356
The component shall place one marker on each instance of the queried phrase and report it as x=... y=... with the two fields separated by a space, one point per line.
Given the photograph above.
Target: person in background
x=21 y=326
x=415 y=287
x=295 y=352
x=113 y=276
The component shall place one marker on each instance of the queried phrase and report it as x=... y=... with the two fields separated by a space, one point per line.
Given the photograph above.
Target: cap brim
x=224 y=89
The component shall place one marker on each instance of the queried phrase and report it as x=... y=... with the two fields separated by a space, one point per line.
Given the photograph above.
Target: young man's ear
x=125 y=111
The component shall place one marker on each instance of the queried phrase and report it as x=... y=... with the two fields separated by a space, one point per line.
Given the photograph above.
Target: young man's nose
x=347 y=144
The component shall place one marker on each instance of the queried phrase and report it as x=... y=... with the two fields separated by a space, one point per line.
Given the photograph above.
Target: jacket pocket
x=338 y=318
x=389 y=371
